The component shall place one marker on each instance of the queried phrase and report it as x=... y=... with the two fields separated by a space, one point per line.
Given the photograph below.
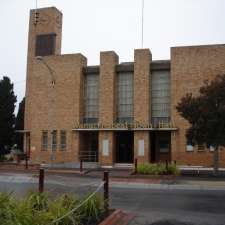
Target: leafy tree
x=206 y=115
x=19 y=125
x=7 y=117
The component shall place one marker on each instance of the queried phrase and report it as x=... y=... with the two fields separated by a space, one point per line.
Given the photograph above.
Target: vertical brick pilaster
x=104 y=158
x=140 y=136
x=142 y=106
x=107 y=103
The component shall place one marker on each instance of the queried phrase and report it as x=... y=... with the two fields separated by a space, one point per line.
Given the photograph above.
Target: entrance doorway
x=160 y=146
x=124 y=147
x=89 y=146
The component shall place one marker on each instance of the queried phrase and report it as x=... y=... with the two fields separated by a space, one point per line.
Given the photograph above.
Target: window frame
x=125 y=97
x=54 y=141
x=42 y=44
x=63 y=146
x=91 y=98
x=44 y=146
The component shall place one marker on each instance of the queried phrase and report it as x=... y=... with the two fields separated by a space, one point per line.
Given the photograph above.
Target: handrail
x=88 y=155
x=74 y=209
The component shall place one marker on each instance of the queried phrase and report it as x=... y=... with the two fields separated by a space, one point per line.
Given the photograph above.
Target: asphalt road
x=151 y=207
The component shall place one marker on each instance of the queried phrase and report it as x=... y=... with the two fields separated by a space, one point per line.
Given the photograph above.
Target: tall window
x=44 y=142
x=63 y=140
x=45 y=44
x=125 y=97
x=160 y=99
x=54 y=140
x=91 y=98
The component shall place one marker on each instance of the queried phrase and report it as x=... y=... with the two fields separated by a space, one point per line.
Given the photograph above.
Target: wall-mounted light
x=51 y=71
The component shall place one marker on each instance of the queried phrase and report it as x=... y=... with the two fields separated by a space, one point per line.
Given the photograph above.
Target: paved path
x=153 y=206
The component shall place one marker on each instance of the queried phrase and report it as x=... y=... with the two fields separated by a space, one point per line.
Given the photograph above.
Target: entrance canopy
x=125 y=127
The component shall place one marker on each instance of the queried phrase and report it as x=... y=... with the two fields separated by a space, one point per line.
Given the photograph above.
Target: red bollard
x=81 y=166
x=135 y=165
x=41 y=180
x=106 y=191
x=166 y=166
x=26 y=162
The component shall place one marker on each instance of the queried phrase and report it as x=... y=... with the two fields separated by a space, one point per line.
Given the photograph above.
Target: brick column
x=107 y=105
x=142 y=107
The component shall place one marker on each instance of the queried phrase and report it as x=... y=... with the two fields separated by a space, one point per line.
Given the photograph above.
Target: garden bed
x=154 y=177
x=159 y=170
x=39 y=209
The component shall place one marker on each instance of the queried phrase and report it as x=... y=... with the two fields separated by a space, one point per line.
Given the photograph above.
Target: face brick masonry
x=58 y=98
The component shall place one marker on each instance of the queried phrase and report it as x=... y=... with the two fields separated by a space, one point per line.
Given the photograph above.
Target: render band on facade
x=114 y=112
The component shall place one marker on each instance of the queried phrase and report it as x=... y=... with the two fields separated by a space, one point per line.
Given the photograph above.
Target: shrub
x=38 y=209
x=3 y=158
x=172 y=169
x=157 y=169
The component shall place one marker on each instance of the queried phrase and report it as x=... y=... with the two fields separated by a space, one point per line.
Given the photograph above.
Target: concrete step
x=123 y=165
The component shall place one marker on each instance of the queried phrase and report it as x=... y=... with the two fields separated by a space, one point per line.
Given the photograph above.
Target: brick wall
x=56 y=107
x=190 y=66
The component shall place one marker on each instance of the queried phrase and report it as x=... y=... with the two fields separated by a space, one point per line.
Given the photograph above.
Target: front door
x=124 y=147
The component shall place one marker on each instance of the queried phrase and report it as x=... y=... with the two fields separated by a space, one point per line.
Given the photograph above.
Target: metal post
x=26 y=162
x=135 y=165
x=166 y=166
x=81 y=165
x=41 y=180
x=106 y=191
x=175 y=162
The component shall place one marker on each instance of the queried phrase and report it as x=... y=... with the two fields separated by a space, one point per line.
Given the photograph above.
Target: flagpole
x=142 y=24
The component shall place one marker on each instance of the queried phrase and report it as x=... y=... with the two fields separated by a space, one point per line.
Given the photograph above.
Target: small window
x=45 y=44
x=63 y=140
x=44 y=141
x=54 y=140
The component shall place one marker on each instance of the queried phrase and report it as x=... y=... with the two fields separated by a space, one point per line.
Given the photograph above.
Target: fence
x=88 y=156
x=104 y=184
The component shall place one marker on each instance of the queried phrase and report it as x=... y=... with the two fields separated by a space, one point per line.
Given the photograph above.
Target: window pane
x=160 y=93
x=44 y=141
x=125 y=97
x=54 y=140
x=91 y=98
x=63 y=140
x=45 y=45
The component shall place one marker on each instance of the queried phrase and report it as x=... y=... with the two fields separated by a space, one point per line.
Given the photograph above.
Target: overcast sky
x=91 y=26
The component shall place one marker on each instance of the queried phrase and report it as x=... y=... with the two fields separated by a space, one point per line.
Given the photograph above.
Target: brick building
x=113 y=112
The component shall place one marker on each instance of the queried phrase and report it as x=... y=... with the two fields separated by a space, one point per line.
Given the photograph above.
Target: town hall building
x=114 y=112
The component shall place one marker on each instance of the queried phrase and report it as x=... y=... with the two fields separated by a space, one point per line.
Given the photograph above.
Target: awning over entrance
x=119 y=129
x=125 y=127
x=22 y=131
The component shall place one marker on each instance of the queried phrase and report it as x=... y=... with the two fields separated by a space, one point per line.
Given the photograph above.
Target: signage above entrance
x=124 y=126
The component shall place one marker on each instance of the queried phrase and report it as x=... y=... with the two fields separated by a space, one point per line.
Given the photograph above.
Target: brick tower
x=44 y=39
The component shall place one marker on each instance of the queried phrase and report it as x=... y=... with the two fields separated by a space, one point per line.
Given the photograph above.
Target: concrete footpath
x=171 y=201
x=125 y=180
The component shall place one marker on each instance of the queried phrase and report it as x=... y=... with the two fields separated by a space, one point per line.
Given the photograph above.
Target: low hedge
x=157 y=169
x=39 y=209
